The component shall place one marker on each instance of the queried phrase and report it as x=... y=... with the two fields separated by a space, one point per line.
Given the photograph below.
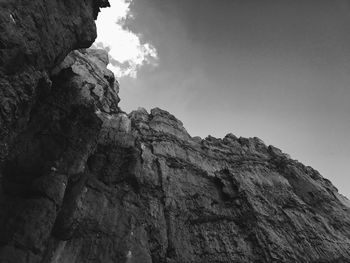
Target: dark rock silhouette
x=82 y=181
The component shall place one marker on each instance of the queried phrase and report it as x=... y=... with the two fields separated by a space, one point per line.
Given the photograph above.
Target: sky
x=273 y=69
x=126 y=51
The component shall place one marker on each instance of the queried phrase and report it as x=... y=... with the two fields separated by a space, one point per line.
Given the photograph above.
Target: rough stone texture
x=151 y=193
x=35 y=37
x=154 y=194
x=51 y=153
x=83 y=182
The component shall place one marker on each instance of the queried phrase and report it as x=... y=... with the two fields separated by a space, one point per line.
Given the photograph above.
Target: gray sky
x=275 y=69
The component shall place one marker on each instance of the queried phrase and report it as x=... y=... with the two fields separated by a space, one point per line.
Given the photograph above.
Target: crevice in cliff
x=66 y=220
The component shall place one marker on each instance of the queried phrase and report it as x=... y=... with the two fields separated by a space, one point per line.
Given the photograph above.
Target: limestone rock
x=83 y=182
x=45 y=168
x=35 y=37
x=157 y=195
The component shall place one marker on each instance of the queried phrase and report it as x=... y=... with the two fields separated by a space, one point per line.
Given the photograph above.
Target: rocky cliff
x=35 y=37
x=82 y=181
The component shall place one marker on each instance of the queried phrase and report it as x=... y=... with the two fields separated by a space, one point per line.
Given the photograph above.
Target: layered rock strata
x=86 y=182
x=82 y=181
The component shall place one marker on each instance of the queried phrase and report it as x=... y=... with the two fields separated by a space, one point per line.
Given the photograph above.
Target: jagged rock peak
x=159 y=121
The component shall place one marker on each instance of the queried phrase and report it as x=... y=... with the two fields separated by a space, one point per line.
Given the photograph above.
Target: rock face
x=154 y=194
x=35 y=37
x=51 y=152
x=83 y=182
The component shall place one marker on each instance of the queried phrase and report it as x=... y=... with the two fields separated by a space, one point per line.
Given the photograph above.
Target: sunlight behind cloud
x=127 y=53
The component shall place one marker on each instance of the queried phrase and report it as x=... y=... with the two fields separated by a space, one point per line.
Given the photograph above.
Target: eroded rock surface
x=50 y=155
x=35 y=37
x=83 y=182
x=155 y=194
x=86 y=182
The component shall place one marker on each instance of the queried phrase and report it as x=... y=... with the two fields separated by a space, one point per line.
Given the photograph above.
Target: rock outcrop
x=83 y=182
x=53 y=150
x=35 y=37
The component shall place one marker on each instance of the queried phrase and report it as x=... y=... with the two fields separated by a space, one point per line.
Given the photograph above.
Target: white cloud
x=127 y=53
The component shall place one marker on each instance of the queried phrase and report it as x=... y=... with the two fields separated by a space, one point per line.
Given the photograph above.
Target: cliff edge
x=82 y=181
